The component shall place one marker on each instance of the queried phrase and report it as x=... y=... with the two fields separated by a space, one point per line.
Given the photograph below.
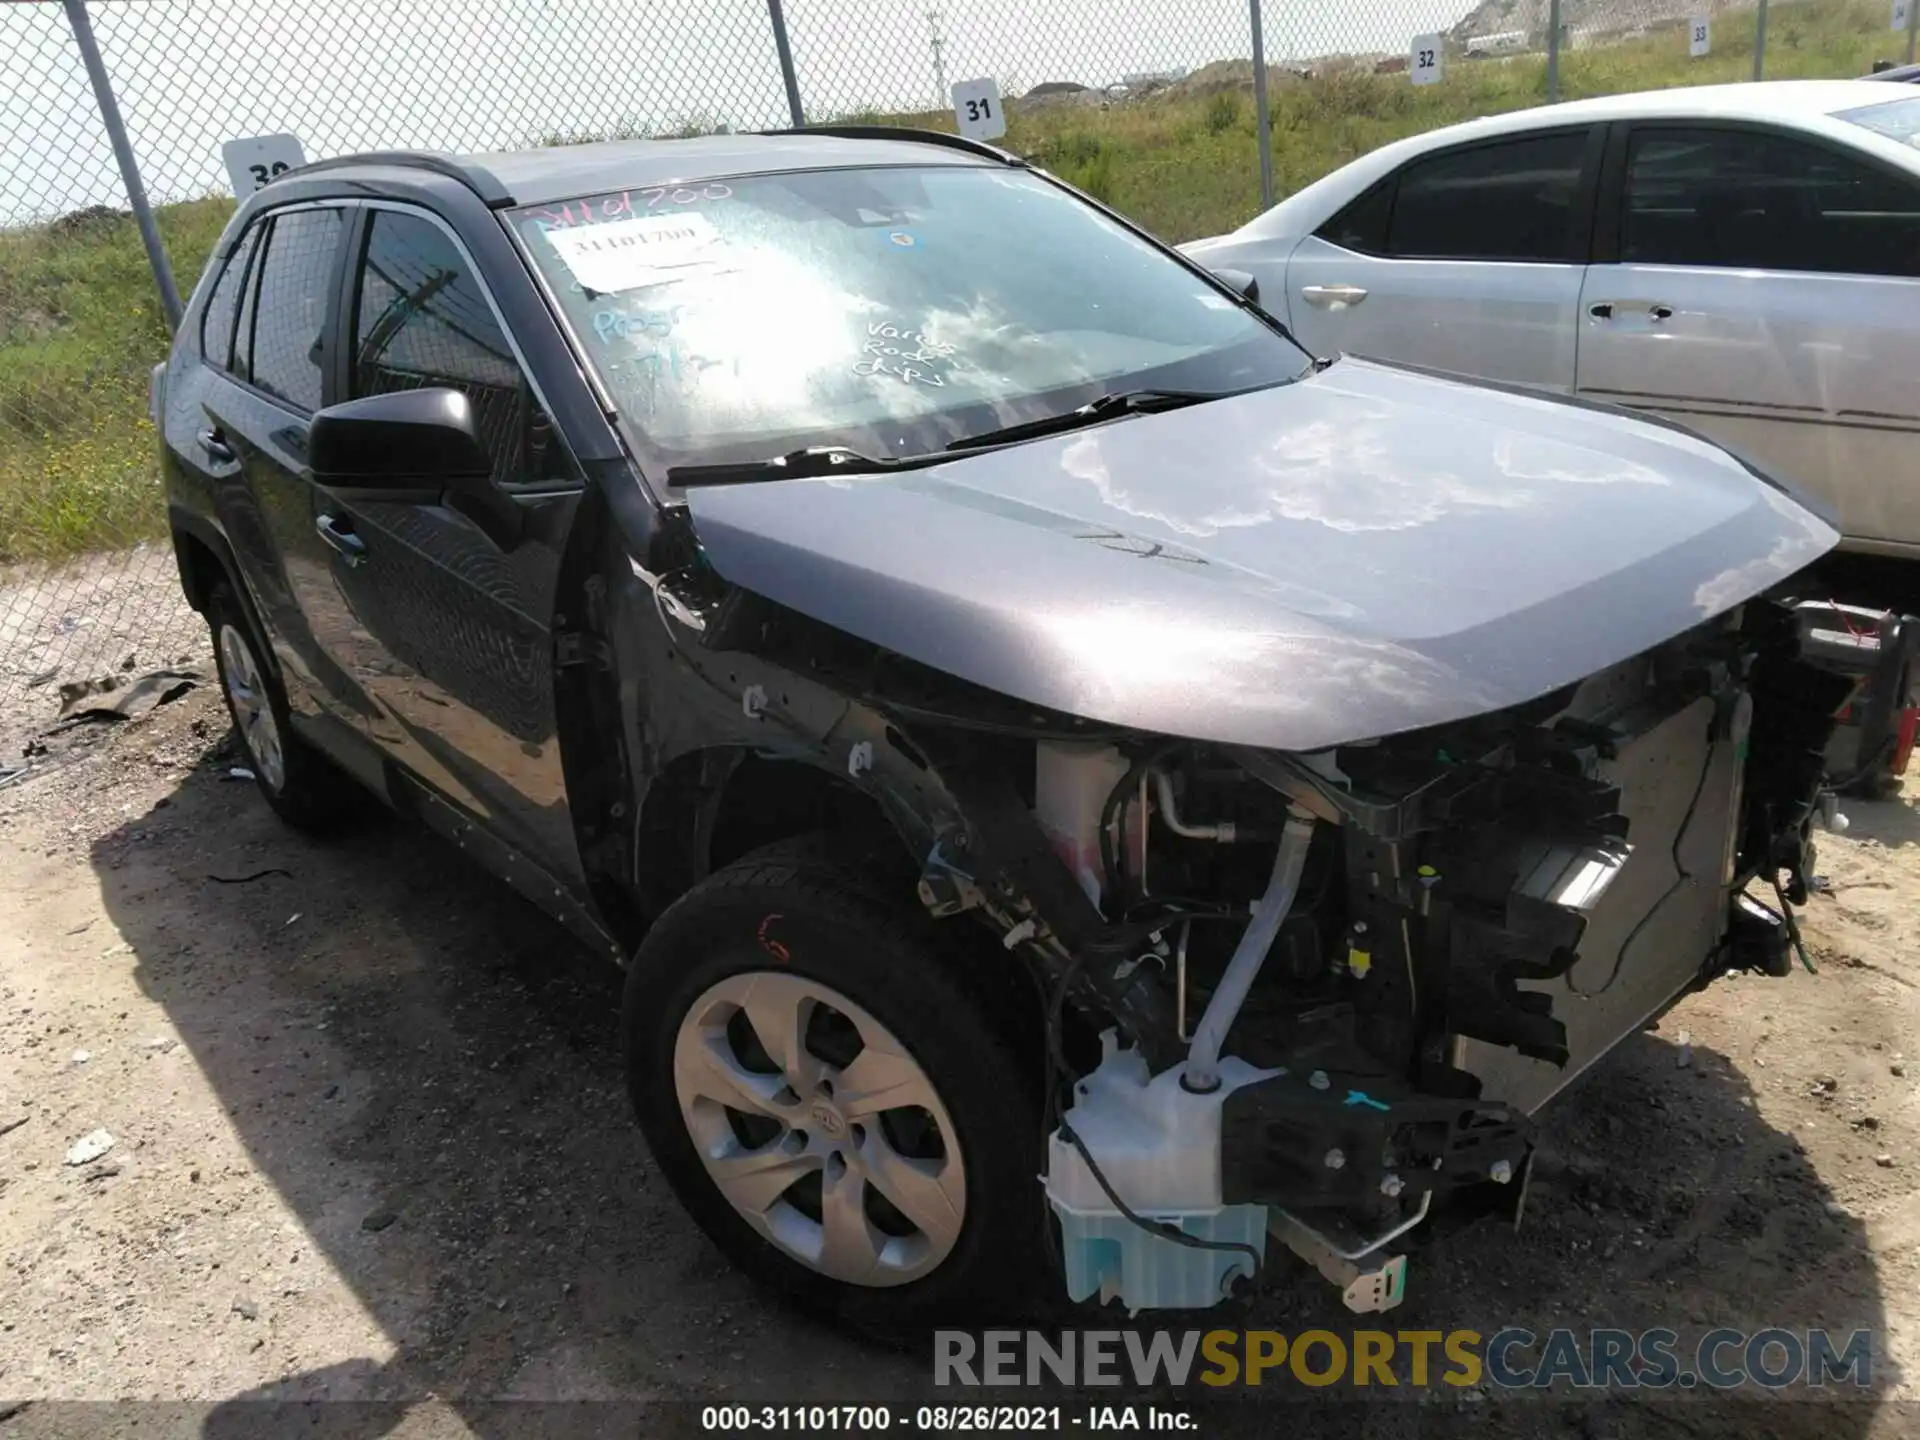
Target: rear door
x=1764 y=288
x=1468 y=259
x=448 y=634
x=254 y=432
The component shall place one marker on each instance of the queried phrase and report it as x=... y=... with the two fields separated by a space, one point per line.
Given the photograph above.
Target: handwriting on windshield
x=611 y=325
x=908 y=355
x=623 y=205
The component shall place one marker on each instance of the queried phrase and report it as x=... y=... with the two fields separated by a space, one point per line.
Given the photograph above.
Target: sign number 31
x=977 y=110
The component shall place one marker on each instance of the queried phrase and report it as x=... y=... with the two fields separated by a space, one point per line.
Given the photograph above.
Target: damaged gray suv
x=1011 y=710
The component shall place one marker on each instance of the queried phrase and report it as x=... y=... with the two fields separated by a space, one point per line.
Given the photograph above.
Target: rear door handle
x=1332 y=297
x=1660 y=312
x=1601 y=310
x=339 y=535
x=216 y=446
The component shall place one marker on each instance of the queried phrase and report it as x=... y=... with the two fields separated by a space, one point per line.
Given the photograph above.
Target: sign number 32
x=977 y=111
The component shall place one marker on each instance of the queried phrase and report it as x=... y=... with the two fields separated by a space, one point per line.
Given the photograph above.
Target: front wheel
x=842 y=1118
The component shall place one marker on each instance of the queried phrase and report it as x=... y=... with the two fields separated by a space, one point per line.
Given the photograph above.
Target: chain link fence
x=1149 y=104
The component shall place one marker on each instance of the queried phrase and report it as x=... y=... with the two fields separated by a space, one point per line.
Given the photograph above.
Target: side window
x=1362 y=226
x=1514 y=200
x=290 y=311
x=1741 y=199
x=423 y=319
x=223 y=305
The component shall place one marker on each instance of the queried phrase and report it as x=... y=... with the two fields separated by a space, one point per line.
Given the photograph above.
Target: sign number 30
x=254 y=161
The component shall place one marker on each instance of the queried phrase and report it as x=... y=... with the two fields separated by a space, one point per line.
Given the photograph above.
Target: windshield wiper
x=818 y=460
x=810 y=463
x=1105 y=407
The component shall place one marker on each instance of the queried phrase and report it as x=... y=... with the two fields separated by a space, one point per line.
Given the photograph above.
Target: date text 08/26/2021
x=943 y=1419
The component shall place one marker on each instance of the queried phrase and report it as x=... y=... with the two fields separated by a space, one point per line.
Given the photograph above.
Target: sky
x=346 y=75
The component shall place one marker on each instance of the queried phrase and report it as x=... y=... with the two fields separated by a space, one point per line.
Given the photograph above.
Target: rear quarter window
x=223 y=304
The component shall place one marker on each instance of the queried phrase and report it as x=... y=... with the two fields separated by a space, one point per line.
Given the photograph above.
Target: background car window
x=1510 y=201
x=289 y=323
x=1897 y=120
x=422 y=319
x=1741 y=199
x=216 y=322
x=1362 y=226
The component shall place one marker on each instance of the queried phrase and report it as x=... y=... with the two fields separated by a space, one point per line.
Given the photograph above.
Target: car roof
x=564 y=172
x=1802 y=104
x=1762 y=100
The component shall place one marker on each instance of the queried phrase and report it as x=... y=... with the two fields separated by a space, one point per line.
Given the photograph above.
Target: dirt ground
x=370 y=1144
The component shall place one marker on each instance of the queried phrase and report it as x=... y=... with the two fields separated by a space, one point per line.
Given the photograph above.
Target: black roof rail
x=904 y=132
x=476 y=178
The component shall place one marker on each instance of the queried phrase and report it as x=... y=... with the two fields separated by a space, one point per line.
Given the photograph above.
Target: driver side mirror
x=419 y=441
x=1241 y=281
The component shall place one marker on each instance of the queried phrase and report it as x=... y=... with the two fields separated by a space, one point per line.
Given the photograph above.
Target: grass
x=80 y=326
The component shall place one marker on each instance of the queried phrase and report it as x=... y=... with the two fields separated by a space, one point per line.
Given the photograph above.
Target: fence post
x=1261 y=124
x=778 y=18
x=1553 y=53
x=1760 y=42
x=123 y=153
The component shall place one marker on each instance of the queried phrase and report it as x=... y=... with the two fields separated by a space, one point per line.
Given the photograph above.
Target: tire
x=778 y=936
x=304 y=788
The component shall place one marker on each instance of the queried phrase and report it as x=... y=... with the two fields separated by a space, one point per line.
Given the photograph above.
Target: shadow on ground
x=426 y=1070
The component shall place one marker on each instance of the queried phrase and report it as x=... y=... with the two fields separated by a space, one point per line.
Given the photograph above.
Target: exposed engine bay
x=1335 y=987
x=1315 y=996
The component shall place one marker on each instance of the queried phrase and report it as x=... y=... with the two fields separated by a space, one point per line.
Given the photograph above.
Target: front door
x=450 y=632
x=1766 y=292
x=1467 y=260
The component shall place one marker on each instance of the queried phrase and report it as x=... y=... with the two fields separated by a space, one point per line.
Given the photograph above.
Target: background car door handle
x=216 y=446
x=1603 y=310
x=1332 y=297
x=339 y=534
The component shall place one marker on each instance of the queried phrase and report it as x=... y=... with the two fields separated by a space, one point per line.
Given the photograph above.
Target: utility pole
x=939 y=43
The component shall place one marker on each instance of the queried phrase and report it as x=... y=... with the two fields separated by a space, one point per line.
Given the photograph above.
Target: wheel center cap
x=828 y=1119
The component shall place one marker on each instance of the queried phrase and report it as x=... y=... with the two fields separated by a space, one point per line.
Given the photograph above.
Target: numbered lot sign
x=976 y=109
x=1699 y=40
x=1423 y=64
x=257 y=159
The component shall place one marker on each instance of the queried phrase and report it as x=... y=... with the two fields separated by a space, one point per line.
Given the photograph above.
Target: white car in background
x=1743 y=258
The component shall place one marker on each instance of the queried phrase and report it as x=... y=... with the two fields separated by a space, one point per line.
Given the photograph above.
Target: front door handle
x=1601 y=310
x=1660 y=312
x=339 y=535
x=1332 y=297
x=216 y=446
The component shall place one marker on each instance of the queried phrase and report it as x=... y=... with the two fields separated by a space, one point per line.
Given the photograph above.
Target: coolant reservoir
x=1071 y=784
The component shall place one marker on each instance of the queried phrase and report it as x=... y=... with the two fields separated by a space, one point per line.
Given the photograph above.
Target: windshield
x=1899 y=120
x=893 y=311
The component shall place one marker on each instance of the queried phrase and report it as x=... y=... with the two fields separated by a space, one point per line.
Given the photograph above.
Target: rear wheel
x=846 y=1121
x=304 y=788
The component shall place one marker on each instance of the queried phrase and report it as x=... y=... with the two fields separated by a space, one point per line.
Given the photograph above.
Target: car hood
x=1366 y=551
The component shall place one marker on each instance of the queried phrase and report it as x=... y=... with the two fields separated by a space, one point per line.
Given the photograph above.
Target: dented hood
x=1366 y=551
